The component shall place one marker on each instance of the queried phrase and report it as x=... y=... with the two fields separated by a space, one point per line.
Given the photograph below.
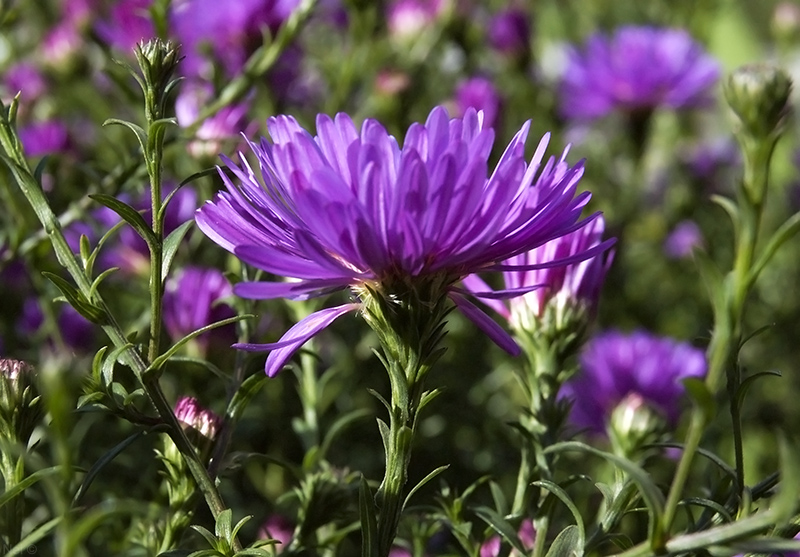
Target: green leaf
x=25 y=544
x=369 y=525
x=159 y=362
x=567 y=500
x=341 y=425
x=28 y=481
x=39 y=170
x=91 y=519
x=91 y=312
x=423 y=481
x=724 y=466
x=501 y=526
x=129 y=215
x=566 y=544
x=138 y=131
x=780 y=237
x=100 y=278
x=730 y=207
x=652 y=496
x=747 y=383
x=85 y=251
x=766 y=546
x=110 y=362
x=712 y=277
x=205 y=364
x=197 y=175
x=238 y=527
x=170 y=247
x=499 y=498
x=427 y=397
x=102 y=462
x=244 y=394
x=711 y=505
x=701 y=396
x=209 y=537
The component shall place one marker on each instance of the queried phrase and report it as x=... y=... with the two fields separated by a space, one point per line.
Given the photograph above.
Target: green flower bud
x=19 y=400
x=158 y=61
x=758 y=95
x=633 y=425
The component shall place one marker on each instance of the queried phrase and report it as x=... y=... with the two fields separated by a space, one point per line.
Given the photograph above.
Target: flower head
x=481 y=94
x=353 y=208
x=638 y=68
x=190 y=413
x=615 y=365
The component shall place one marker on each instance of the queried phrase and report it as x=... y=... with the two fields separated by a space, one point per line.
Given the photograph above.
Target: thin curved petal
x=295 y=337
x=577 y=258
x=293 y=290
x=486 y=324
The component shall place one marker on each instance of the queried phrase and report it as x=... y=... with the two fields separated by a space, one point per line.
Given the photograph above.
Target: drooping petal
x=295 y=337
x=486 y=324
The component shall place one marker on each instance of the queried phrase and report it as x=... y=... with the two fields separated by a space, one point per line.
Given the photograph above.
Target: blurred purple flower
x=408 y=18
x=278 y=528
x=481 y=94
x=192 y=414
x=510 y=31
x=126 y=23
x=230 y=35
x=44 y=138
x=526 y=534
x=61 y=44
x=24 y=78
x=192 y=300
x=224 y=125
x=683 y=239
x=76 y=332
x=615 y=365
x=567 y=285
x=638 y=68
x=349 y=208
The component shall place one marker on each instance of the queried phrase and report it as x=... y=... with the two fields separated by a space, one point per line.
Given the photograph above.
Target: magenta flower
x=685 y=237
x=192 y=414
x=127 y=23
x=637 y=68
x=615 y=365
x=43 y=138
x=24 y=78
x=509 y=31
x=352 y=208
x=568 y=285
x=481 y=94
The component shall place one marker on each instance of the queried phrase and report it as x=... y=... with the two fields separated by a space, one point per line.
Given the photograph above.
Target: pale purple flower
x=192 y=414
x=685 y=237
x=481 y=94
x=564 y=286
x=509 y=31
x=526 y=534
x=638 y=68
x=222 y=126
x=61 y=44
x=408 y=18
x=44 y=138
x=615 y=365
x=348 y=208
x=192 y=299
x=230 y=34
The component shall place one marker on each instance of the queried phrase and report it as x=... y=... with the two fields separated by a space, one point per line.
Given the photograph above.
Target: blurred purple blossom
x=481 y=94
x=615 y=365
x=278 y=528
x=44 y=138
x=222 y=126
x=638 y=68
x=683 y=239
x=408 y=18
x=126 y=23
x=192 y=299
x=350 y=207
x=62 y=42
x=510 y=31
x=25 y=78
x=526 y=534
x=76 y=332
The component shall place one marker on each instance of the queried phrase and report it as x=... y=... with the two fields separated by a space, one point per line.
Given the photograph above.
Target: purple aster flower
x=192 y=300
x=220 y=127
x=615 y=365
x=510 y=31
x=481 y=94
x=43 y=138
x=230 y=34
x=638 y=68
x=683 y=239
x=575 y=286
x=76 y=332
x=191 y=413
x=352 y=208
x=127 y=23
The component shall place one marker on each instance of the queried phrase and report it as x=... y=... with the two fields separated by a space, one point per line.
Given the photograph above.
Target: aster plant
x=398 y=226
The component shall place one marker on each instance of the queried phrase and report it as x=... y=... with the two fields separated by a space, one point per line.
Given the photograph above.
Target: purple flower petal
x=295 y=337
x=485 y=323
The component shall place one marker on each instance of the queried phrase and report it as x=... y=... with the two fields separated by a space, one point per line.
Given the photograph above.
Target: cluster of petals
x=577 y=284
x=615 y=365
x=637 y=68
x=349 y=207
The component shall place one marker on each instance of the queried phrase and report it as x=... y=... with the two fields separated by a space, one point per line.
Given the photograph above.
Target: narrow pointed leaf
x=369 y=524
x=244 y=394
x=567 y=500
x=566 y=544
x=88 y=310
x=501 y=526
x=138 y=131
x=129 y=215
x=28 y=481
x=780 y=237
x=423 y=481
x=170 y=246
x=102 y=462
